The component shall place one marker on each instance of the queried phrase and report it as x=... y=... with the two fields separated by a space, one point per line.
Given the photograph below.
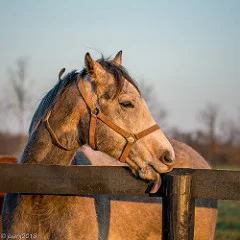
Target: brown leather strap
x=130 y=138
x=92 y=131
x=147 y=131
x=53 y=135
x=112 y=125
x=126 y=151
x=90 y=103
x=131 y=141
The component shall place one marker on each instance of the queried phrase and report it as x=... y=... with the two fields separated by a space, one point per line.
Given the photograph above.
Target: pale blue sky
x=189 y=50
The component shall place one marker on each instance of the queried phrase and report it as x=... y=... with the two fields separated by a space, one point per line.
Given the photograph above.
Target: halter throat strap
x=53 y=136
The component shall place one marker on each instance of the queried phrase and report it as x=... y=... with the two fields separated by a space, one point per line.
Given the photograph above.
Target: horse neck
x=40 y=149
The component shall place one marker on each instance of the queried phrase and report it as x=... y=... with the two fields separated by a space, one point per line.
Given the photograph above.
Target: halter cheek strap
x=96 y=114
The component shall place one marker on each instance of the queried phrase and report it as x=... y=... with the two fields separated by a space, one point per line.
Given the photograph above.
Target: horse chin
x=148 y=174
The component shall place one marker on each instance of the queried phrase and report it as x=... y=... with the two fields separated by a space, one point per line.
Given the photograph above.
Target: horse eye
x=127 y=104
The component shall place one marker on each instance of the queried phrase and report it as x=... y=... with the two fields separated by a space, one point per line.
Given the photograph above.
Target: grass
x=228 y=224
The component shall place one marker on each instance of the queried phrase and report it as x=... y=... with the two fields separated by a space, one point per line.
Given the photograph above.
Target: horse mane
x=48 y=101
x=50 y=98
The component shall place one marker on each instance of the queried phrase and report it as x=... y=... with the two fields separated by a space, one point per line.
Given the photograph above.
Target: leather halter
x=95 y=114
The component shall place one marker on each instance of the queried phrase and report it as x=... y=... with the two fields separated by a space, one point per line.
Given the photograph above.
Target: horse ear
x=118 y=58
x=93 y=68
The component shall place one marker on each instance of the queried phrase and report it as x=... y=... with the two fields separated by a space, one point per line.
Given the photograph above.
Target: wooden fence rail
x=179 y=189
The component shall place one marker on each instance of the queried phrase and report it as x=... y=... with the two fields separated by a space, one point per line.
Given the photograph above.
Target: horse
x=101 y=106
x=141 y=217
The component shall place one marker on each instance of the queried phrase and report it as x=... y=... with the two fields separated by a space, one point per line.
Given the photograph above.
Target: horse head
x=100 y=106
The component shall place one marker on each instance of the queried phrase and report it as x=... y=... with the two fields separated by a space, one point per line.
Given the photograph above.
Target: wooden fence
x=179 y=188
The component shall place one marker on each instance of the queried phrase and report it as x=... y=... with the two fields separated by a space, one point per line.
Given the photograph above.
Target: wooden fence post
x=178 y=206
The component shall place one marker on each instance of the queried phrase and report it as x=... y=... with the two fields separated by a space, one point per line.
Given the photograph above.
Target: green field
x=228 y=224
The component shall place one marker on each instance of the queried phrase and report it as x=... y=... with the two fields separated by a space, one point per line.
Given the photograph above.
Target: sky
x=188 y=50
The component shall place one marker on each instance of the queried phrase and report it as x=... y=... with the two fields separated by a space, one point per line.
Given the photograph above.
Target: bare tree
x=158 y=112
x=230 y=131
x=208 y=117
x=20 y=85
x=16 y=101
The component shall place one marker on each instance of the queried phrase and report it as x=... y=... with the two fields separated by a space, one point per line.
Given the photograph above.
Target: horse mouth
x=149 y=174
x=153 y=187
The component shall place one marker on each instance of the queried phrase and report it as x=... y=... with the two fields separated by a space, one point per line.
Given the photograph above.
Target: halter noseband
x=95 y=114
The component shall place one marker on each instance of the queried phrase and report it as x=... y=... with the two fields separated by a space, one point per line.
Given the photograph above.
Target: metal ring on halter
x=131 y=139
x=96 y=112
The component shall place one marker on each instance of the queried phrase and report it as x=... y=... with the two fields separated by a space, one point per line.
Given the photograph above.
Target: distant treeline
x=12 y=144
x=216 y=153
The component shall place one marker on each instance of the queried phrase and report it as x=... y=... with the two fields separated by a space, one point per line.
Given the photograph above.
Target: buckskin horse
x=100 y=106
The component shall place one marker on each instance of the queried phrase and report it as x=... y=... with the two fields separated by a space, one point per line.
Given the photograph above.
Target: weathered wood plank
x=216 y=184
x=78 y=180
x=212 y=184
x=69 y=180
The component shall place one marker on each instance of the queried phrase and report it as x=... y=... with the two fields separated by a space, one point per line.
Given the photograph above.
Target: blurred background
x=185 y=56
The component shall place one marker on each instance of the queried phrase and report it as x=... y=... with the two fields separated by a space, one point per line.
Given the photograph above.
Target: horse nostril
x=168 y=158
